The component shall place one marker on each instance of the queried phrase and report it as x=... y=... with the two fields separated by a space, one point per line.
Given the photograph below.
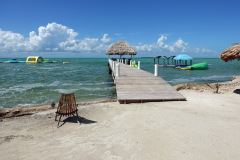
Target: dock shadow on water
x=78 y=119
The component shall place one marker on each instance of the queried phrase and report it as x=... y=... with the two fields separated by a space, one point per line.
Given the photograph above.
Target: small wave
x=55 y=83
x=179 y=80
x=97 y=88
x=20 y=88
x=203 y=79
x=47 y=68
x=66 y=91
x=98 y=83
x=24 y=105
x=72 y=84
x=216 y=77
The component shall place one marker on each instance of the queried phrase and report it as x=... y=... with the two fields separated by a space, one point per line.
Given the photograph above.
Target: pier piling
x=156 y=70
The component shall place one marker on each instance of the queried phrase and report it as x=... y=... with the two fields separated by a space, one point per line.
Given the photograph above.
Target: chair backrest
x=67 y=104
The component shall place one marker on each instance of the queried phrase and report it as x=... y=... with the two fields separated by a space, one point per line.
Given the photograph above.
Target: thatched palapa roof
x=121 y=48
x=231 y=53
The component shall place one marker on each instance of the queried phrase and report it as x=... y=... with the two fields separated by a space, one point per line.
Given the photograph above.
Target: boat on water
x=198 y=66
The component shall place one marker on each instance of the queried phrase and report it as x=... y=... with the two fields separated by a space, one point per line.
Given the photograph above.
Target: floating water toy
x=13 y=61
x=198 y=66
x=186 y=68
x=30 y=59
x=34 y=59
x=66 y=62
x=48 y=61
x=38 y=59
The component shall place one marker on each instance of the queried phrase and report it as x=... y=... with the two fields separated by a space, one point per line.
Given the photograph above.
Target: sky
x=87 y=28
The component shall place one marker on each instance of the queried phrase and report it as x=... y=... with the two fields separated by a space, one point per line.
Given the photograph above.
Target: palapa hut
x=121 y=48
x=182 y=59
x=231 y=53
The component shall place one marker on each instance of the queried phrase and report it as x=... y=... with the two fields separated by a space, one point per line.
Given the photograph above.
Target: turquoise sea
x=24 y=84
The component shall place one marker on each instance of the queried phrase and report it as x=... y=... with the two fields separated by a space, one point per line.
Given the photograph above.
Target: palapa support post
x=67 y=106
x=130 y=63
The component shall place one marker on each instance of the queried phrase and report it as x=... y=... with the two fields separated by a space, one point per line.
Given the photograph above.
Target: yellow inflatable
x=34 y=59
x=186 y=68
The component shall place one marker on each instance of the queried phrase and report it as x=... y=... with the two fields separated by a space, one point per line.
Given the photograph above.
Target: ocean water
x=24 y=84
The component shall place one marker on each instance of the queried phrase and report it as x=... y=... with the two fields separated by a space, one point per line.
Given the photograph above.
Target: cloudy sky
x=87 y=28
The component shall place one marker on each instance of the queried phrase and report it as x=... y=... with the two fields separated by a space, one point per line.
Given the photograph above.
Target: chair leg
x=56 y=117
x=59 y=121
x=77 y=118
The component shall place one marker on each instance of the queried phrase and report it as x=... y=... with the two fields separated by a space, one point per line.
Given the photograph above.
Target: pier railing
x=116 y=67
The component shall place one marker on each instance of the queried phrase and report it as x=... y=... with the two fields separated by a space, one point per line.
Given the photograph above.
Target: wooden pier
x=139 y=86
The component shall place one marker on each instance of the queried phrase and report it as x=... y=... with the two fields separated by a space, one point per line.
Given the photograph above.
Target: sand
x=206 y=126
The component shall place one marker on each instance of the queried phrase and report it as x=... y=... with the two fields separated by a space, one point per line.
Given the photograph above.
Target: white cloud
x=58 y=38
x=105 y=39
x=52 y=38
x=161 y=46
x=204 y=52
x=161 y=40
x=180 y=45
x=11 y=41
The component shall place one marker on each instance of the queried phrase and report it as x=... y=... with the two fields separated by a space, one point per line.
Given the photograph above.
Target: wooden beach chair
x=67 y=106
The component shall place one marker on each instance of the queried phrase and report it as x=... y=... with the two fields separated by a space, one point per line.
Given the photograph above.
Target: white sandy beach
x=206 y=126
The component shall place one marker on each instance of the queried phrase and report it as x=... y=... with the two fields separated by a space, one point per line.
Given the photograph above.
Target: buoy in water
x=65 y=62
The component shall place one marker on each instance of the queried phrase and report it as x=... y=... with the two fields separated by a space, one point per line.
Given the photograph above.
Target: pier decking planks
x=135 y=85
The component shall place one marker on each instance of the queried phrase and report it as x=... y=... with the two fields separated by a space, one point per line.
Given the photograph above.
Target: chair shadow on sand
x=237 y=91
x=76 y=119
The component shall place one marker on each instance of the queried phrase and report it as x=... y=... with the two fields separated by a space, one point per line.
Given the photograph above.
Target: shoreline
x=24 y=111
x=224 y=87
